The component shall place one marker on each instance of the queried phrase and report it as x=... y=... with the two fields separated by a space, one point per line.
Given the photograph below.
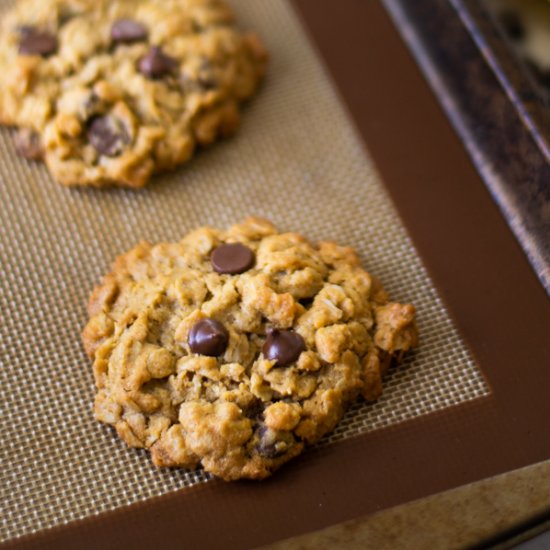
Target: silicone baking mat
x=296 y=161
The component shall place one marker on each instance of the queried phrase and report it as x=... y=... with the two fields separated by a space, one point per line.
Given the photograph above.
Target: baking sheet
x=494 y=106
x=296 y=161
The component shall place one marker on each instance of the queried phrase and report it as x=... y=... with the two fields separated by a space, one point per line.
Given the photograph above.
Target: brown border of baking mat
x=486 y=282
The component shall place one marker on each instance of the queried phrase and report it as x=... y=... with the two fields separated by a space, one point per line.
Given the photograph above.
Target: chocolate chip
x=253 y=408
x=127 y=31
x=157 y=64
x=269 y=445
x=33 y=41
x=283 y=346
x=107 y=135
x=208 y=83
x=208 y=337
x=232 y=258
x=28 y=144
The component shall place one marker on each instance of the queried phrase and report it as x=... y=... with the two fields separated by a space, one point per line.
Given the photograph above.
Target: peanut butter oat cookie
x=235 y=349
x=112 y=91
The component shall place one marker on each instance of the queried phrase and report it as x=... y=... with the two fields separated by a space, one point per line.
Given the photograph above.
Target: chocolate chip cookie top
x=238 y=372
x=113 y=91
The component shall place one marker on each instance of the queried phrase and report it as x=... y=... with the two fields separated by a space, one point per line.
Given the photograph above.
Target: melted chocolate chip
x=283 y=346
x=269 y=445
x=157 y=64
x=232 y=259
x=254 y=408
x=208 y=337
x=128 y=31
x=107 y=135
x=306 y=302
x=28 y=144
x=207 y=82
x=33 y=41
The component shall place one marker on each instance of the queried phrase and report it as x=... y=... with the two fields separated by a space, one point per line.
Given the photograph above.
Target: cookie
x=113 y=91
x=236 y=349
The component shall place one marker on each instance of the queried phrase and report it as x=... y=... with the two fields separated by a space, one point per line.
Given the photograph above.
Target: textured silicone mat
x=296 y=161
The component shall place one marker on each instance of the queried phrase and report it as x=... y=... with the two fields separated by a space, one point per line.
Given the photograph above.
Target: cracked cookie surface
x=112 y=91
x=236 y=349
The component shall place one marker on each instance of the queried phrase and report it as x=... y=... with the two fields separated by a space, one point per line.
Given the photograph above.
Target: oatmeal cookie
x=112 y=91
x=235 y=349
